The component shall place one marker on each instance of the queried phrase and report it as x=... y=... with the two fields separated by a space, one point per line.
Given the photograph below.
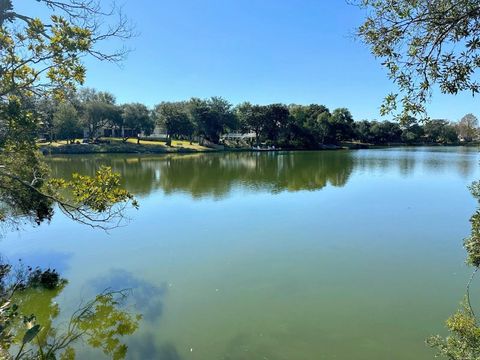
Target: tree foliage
x=472 y=243
x=98 y=114
x=174 y=118
x=423 y=45
x=440 y=131
x=42 y=59
x=66 y=123
x=468 y=127
x=251 y=118
x=463 y=341
x=98 y=201
x=136 y=117
x=46 y=55
x=211 y=117
x=375 y=132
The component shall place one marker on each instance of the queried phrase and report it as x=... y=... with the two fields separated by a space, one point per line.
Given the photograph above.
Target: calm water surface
x=302 y=255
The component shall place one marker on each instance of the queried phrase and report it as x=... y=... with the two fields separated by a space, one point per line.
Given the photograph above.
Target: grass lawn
x=55 y=143
x=176 y=144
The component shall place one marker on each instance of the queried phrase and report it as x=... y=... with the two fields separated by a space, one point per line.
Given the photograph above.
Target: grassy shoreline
x=158 y=147
x=117 y=146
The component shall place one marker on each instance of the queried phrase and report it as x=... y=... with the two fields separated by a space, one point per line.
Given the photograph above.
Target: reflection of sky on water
x=45 y=259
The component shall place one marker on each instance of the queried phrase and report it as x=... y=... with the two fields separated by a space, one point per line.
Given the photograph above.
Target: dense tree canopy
x=276 y=121
x=306 y=128
x=440 y=131
x=251 y=118
x=287 y=126
x=175 y=119
x=66 y=123
x=98 y=110
x=136 y=117
x=211 y=117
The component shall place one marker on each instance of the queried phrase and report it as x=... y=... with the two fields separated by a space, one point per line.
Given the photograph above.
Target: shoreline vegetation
x=117 y=146
x=92 y=122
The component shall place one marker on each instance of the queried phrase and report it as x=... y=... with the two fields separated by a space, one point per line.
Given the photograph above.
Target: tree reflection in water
x=29 y=318
x=216 y=174
x=148 y=298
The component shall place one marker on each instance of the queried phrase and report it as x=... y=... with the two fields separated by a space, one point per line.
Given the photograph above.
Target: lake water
x=288 y=255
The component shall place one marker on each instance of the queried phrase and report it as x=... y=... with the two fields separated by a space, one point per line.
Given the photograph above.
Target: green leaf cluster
x=424 y=45
x=463 y=343
x=98 y=193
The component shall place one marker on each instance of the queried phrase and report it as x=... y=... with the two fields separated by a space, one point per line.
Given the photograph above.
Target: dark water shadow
x=146 y=347
x=145 y=296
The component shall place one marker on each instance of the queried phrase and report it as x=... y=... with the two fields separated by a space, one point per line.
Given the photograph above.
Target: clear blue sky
x=263 y=51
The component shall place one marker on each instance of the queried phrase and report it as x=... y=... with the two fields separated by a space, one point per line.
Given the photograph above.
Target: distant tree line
x=88 y=113
x=92 y=114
